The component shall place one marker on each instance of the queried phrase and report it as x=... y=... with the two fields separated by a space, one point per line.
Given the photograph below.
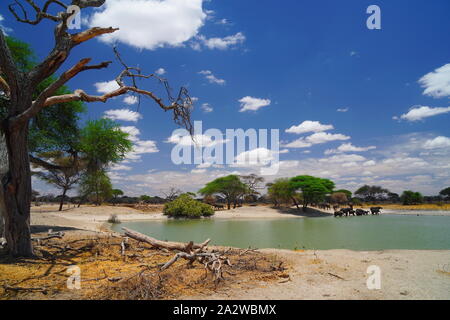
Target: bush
x=185 y=206
x=113 y=219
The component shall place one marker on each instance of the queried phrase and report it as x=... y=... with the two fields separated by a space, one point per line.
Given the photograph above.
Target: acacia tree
x=339 y=197
x=372 y=193
x=17 y=88
x=64 y=175
x=313 y=189
x=409 y=197
x=229 y=187
x=96 y=187
x=445 y=192
x=281 y=191
x=115 y=194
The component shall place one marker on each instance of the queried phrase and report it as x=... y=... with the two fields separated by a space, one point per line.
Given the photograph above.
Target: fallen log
x=212 y=261
x=184 y=247
x=50 y=235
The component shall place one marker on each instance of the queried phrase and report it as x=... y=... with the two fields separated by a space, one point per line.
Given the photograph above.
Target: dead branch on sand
x=212 y=261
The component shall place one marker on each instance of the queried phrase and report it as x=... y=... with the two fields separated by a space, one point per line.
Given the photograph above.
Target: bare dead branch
x=39 y=103
x=91 y=33
x=39 y=14
x=164 y=244
x=88 y=3
x=181 y=112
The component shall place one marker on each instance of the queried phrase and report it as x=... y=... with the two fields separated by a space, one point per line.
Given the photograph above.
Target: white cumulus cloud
x=252 y=104
x=123 y=114
x=130 y=100
x=348 y=147
x=309 y=126
x=437 y=82
x=140 y=147
x=417 y=113
x=107 y=86
x=150 y=24
x=437 y=143
x=160 y=71
x=206 y=107
x=255 y=157
x=198 y=140
x=316 y=138
x=211 y=77
x=219 y=43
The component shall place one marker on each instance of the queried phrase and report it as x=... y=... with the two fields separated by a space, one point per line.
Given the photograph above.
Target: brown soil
x=106 y=274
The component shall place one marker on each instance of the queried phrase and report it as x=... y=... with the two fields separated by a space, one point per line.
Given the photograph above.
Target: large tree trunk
x=16 y=189
x=3 y=171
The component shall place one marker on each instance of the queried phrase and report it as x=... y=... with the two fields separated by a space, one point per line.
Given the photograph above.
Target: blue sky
x=312 y=64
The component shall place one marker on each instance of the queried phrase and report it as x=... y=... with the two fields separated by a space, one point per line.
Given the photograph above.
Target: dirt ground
x=107 y=274
x=342 y=274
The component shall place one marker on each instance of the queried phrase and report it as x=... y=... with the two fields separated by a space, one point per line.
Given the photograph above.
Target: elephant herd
x=358 y=212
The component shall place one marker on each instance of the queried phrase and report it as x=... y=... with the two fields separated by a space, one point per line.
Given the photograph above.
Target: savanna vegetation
x=186 y=207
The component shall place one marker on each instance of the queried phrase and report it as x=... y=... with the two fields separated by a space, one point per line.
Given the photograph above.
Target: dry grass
x=106 y=274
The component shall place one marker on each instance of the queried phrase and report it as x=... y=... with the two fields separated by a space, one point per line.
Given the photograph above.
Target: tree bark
x=295 y=203
x=3 y=170
x=16 y=189
x=61 y=203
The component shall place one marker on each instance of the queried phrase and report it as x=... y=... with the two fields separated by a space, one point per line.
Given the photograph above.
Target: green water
x=355 y=233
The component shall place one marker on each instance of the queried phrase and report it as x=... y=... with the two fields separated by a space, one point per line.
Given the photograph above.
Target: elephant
x=361 y=212
x=349 y=210
x=375 y=210
x=338 y=213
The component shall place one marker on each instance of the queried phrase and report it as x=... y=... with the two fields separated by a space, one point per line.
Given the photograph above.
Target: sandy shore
x=84 y=218
x=342 y=274
x=95 y=218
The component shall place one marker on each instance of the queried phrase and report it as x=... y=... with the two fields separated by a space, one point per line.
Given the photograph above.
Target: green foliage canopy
x=281 y=191
x=103 y=143
x=313 y=189
x=445 y=192
x=409 y=197
x=229 y=187
x=186 y=206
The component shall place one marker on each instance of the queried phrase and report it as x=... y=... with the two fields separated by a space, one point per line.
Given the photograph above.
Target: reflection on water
x=355 y=233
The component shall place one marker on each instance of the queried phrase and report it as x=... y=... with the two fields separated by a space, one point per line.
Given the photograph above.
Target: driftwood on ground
x=185 y=247
x=212 y=261
x=50 y=235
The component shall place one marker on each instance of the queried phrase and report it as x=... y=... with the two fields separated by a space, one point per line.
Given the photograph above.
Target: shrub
x=113 y=219
x=186 y=206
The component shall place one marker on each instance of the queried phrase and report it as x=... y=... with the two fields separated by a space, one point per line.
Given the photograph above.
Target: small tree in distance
x=116 y=193
x=313 y=189
x=64 y=175
x=231 y=188
x=281 y=191
x=339 y=198
x=410 y=197
x=445 y=193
